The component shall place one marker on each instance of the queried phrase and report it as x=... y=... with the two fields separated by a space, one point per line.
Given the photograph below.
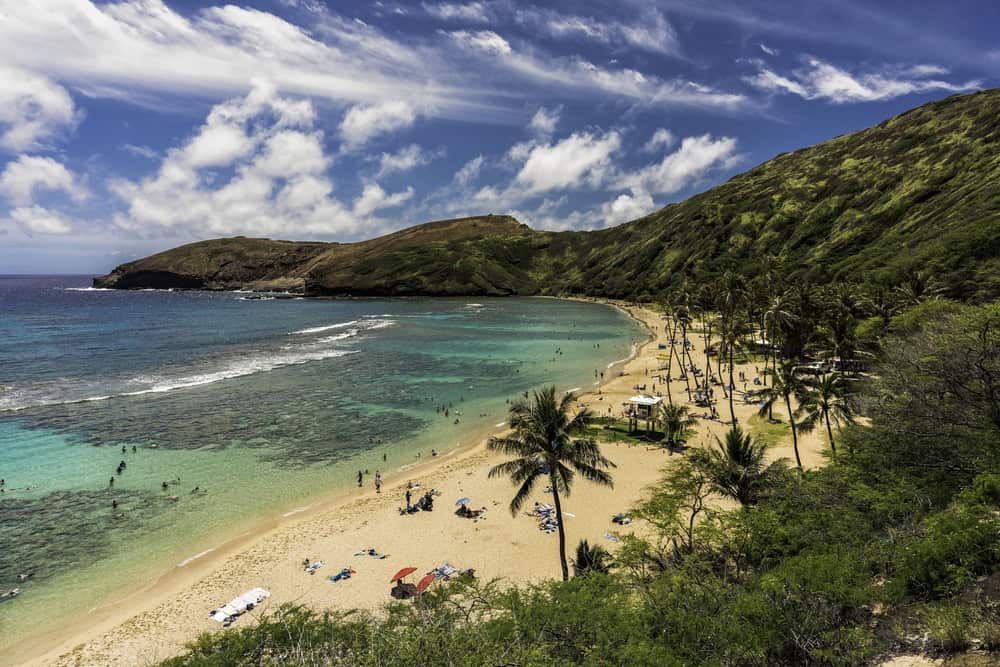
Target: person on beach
x=359 y=479
x=378 y=482
x=407 y=499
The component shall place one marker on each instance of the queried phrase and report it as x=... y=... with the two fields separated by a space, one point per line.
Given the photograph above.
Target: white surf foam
x=191 y=559
x=327 y=327
x=162 y=385
x=87 y=289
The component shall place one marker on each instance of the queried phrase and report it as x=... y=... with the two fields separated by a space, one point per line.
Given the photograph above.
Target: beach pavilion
x=642 y=407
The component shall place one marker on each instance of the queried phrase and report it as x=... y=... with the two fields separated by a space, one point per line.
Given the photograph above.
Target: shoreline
x=46 y=647
x=154 y=623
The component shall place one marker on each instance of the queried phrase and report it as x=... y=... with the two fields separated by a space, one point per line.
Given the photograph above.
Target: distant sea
x=262 y=404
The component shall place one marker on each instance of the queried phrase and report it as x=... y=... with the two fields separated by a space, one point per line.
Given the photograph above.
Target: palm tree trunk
x=684 y=369
x=670 y=359
x=829 y=431
x=795 y=436
x=559 y=520
x=732 y=410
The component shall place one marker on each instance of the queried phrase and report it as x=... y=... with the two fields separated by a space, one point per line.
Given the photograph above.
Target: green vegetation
x=912 y=203
x=892 y=548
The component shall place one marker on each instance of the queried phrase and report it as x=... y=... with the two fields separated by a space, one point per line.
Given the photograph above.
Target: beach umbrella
x=463 y=501
x=406 y=571
x=425 y=582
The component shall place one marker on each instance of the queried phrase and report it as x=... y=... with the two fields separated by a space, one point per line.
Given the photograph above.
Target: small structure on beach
x=642 y=407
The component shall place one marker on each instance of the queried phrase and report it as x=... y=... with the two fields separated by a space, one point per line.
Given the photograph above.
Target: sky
x=133 y=126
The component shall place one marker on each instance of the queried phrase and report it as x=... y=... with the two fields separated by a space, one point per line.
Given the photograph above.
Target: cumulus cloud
x=662 y=138
x=363 y=123
x=823 y=81
x=256 y=166
x=693 y=159
x=40 y=220
x=33 y=109
x=545 y=120
x=626 y=206
x=22 y=177
x=405 y=159
x=580 y=161
x=580 y=158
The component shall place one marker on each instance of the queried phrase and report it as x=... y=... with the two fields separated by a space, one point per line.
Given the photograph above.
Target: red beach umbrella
x=406 y=571
x=425 y=582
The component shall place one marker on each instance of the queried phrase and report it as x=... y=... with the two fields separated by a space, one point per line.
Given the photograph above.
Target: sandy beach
x=156 y=622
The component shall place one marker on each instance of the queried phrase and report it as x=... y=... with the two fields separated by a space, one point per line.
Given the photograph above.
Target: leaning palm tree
x=784 y=385
x=825 y=400
x=677 y=425
x=543 y=446
x=738 y=467
x=590 y=559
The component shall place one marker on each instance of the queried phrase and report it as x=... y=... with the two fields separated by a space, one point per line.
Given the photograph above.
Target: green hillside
x=918 y=191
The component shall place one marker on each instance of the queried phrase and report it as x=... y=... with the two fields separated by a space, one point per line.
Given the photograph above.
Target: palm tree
x=542 y=445
x=779 y=317
x=825 y=399
x=677 y=425
x=785 y=385
x=733 y=339
x=590 y=559
x=738 y=468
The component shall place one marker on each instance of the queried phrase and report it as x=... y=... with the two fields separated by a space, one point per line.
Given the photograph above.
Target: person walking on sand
x=407 y=499
x=378 y=482
x=359 y=479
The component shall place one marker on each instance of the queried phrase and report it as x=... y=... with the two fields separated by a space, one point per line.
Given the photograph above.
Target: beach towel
x=372 y=553
x=343 y=574
x=311 y=569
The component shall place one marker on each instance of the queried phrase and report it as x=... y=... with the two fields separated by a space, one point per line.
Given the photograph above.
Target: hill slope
x=918 y=191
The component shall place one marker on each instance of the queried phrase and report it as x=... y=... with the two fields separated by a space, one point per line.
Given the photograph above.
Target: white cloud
x=580 y=158
x=266 y=176
x=662 y=138
x=482 y=40
x=469 y=171
x=39 y=220
x=820 y=80
x=148 y=50
x=363 y=123
x=141 y=151
x=692 y=160
x=472 y=12
x=28 y=173
x=545 y=120
x=374 y=198
x=33 y=109
x=768 y=50
x=651 y=32
x=405 y=159
x=627 y=206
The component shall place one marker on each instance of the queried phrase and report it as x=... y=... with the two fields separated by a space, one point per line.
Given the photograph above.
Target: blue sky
x=133 y=126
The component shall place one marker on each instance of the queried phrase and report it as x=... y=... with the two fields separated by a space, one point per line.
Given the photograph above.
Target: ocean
x=237 y=408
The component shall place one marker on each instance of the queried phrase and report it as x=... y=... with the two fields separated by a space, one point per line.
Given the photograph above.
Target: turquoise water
x=260 y=404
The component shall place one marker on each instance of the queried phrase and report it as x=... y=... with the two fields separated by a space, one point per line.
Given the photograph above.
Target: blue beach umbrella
x=463 y=501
